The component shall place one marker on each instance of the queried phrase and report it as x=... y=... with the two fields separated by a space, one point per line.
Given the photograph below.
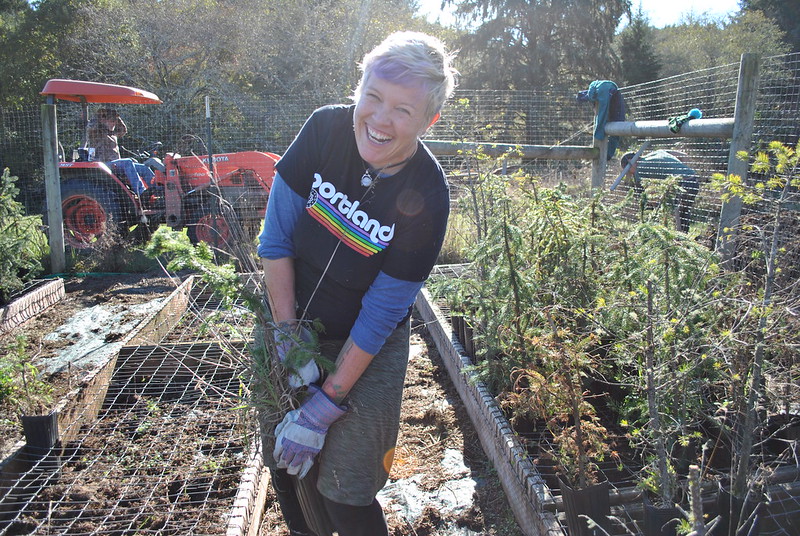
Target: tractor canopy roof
x=97 y=92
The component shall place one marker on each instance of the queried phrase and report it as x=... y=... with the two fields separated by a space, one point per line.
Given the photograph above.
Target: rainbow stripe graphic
x=350 y=234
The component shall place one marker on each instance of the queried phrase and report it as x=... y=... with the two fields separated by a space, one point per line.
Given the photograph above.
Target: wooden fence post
x=52 y=188
x=744 y=116
x=599 y=163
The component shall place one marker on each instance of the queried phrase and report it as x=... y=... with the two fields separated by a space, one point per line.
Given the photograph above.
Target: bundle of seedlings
x=237 y=283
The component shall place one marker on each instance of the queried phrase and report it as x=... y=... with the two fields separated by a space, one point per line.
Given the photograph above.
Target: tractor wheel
x=91 y=213
x=213 y=230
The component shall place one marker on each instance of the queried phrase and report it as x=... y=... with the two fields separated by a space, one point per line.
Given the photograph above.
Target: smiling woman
x=387 y=121
x=355 y=221
x=397 y=100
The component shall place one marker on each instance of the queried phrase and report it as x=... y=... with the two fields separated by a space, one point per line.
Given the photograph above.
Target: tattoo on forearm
x=339 y=393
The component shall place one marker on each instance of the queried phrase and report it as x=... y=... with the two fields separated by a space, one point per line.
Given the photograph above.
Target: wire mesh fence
x=713 y=91
x=546 y=117
x=151 y=392
x=160 y=447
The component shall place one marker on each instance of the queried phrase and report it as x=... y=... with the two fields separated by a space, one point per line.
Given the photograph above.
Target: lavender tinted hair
x=412 y=59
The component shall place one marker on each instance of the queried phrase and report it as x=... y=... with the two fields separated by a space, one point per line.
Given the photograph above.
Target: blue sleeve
x=284 y=207
x=385 y=304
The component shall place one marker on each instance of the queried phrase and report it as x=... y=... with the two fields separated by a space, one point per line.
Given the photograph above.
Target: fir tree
x=640 y=62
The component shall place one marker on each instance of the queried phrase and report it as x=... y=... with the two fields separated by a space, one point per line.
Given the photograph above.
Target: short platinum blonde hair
x=412 y=59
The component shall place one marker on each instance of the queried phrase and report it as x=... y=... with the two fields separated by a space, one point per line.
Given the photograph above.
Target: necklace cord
x=339 y=243
x=367 y=179
x=333 y=254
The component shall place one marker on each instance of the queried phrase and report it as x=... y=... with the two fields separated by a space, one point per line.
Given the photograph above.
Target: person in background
x=661 y=164
x=355 y=221
x=103 y=133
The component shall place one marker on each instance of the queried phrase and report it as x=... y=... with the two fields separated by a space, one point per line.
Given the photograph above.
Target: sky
x=664 y=13
x=660 y=12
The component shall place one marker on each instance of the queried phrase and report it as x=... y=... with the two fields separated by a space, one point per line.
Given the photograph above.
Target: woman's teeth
x=377 y=136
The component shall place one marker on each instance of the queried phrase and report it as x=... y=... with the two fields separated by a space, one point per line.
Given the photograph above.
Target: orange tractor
x=186 y=191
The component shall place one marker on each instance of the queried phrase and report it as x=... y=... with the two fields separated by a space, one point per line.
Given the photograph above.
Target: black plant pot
x=782 y=435
x=684 y=456
x=458 y=327
x=42 y=451
x=737 y=516
x=40 y=431
x=660 y=520
x=591 y=502
x=463 y=329
x=720 y=456
x=469 y=341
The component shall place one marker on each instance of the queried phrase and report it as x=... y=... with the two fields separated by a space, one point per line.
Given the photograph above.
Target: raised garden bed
x=530 y=482
x=41 y=295
x=150 y=442
x=160 y=390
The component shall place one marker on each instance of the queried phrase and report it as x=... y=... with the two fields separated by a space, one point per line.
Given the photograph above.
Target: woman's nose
x=381 y=114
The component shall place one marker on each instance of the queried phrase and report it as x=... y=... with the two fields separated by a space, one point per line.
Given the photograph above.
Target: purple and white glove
x=301 y=434
x=288 y=338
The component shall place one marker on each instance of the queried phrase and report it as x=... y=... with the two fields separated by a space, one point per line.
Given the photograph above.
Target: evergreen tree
x=536 y=43
x=184 y=49
x=785 y=13
x=13 y=14
x=704 y=42
x=640 y=63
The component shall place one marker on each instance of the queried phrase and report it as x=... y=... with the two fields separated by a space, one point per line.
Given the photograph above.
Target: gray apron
x=355 y=461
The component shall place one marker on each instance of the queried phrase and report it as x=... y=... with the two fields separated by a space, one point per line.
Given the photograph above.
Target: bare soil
x=123 y=292
x=125 y=479
x=433 y=422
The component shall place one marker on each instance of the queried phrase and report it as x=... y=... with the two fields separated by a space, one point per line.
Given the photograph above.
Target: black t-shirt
x=396 y=226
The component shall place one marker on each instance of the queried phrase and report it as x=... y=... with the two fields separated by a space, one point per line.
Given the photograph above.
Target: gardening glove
x=288 y=339
x=675 y=123
x=301 y=434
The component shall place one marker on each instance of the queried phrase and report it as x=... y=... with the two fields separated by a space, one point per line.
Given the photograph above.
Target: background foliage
x=183 y=49
x=22 y=242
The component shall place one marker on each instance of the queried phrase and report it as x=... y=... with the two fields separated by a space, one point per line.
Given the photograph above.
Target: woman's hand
x=295 y=348
x=301 y=434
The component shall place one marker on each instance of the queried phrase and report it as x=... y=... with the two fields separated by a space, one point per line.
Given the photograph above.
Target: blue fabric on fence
x=610 y=107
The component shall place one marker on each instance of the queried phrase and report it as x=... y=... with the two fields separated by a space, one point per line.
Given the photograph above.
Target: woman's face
x=109 y=121
x=388 y=120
